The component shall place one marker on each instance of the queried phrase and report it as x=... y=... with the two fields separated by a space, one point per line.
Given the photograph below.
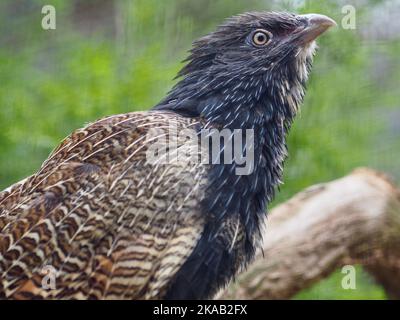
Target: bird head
x=254 y=61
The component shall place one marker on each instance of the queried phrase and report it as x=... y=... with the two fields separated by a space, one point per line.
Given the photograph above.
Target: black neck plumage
x=239 y=105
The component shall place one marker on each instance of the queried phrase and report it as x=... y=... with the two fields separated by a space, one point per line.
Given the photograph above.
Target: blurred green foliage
x=54 y=81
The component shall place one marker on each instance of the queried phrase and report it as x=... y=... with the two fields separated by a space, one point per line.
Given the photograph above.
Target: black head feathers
x=254 y=62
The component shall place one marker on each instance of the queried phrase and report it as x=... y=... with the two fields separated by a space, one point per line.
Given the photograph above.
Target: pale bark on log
x=352 y=220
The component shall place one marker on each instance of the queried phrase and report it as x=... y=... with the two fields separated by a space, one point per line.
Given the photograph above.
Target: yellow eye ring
x=261 y=37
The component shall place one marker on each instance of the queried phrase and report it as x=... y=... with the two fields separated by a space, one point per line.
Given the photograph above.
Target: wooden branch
x=352 y=220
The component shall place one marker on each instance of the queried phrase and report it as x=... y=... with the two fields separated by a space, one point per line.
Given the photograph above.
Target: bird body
x=111 y=224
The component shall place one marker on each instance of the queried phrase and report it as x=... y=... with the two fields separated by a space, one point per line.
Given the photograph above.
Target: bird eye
x=261 y=37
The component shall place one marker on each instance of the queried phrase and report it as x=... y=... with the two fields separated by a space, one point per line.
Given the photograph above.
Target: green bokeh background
x=108 y=57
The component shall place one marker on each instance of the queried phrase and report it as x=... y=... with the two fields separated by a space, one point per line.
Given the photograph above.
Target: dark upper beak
x=315 y=25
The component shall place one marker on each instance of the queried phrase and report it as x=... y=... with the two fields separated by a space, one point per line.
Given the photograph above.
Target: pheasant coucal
x=109 y=223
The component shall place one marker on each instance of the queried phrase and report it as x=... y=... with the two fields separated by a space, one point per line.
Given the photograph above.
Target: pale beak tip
x=320 y=19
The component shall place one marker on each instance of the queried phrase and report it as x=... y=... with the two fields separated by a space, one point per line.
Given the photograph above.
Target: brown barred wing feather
x=108 y=223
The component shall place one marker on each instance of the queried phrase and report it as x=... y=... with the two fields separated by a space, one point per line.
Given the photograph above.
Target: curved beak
x=316 y=24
